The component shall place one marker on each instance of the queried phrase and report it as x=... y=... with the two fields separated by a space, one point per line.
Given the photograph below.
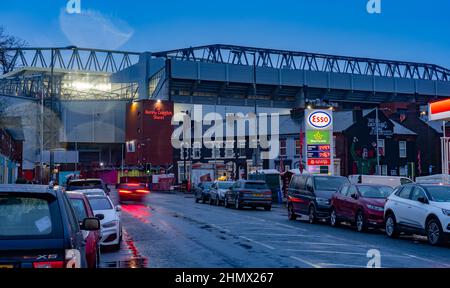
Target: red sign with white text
x=319 y=162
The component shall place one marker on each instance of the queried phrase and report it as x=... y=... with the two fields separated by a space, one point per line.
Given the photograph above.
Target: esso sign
x=319 y=120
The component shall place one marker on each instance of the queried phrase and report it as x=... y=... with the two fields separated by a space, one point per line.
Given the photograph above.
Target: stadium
x=81 y=97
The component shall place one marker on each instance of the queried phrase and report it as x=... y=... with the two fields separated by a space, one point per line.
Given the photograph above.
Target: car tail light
x=123 y=191
x=268 y=193
x=143 y=191
x=133 y=185
x=48 y=264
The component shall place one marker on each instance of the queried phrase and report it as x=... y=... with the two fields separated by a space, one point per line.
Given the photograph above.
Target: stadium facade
x=78 y=98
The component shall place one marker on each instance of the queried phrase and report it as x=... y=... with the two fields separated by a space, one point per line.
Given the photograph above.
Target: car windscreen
x=329 y=183
x=207 y=185
x=439 y=193
x=377 y=192
x=24 y=217
x=225 y=185
x=256 y=185
x=80 y=209
x=94 y=193
x=100 y=203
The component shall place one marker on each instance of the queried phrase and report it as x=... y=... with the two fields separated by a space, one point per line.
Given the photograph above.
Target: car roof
x=254 y=181
x=76 y=195
x=89 y=190
x=85 y=180
x=27 y=188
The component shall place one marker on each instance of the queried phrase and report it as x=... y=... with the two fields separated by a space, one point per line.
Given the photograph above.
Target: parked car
x=111 y=226
x=133 y=191
x=83 y=184
x=218 y=190
x=310 y=195
x=201 y=192
x=92 y=192
x=83 y=210
x=249 y=193
x=39 y=229
x=361 y=204
x=391 y=181
x=419 y=209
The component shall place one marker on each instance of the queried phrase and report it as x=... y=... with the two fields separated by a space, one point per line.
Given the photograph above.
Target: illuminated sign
x=439 y=110
x=317 y=137
x=319 y=141
x=158 y=114
x=319 y=120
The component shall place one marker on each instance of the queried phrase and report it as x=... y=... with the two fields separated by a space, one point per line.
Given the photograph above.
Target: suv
x=218 y=190
x=84 y=184
x=419 y=209
x=39 y=229
x=311 y=195
x=249 y=193
x=201 y=192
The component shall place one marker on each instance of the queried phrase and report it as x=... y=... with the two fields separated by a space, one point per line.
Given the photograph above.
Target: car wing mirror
x=354 y=196
x=118 y=208
x=100 y=216
x=90 y=224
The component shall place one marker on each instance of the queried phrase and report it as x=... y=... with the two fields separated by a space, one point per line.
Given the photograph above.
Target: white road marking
x=427 y=260
x=283 y=235
x=316 y=243
x=341 y=265
x=341 y=252
x=257 y=242
x=306 y=262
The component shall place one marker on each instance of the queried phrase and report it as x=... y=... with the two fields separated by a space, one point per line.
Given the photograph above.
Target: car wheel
x=211 y=201
x=312 y=215
x=334 y=221
x=291 y=213
x=434 y=232
x=268 y=207
x=236 y=204
x=361 y=225
x=391 y=226
x=203 y=199
x=196 y=199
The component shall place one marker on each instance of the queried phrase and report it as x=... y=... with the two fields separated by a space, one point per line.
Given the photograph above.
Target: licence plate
x=258 y=195
x=6 y=266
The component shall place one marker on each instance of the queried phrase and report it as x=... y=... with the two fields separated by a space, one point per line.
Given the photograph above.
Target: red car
x=132 y=191
x=83 y=210
x=362 y=205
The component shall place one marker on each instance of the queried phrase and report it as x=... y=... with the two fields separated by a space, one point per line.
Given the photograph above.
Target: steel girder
x=69 y=58
x=282 y=59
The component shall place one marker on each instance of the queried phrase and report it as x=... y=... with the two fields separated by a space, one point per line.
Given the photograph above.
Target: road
x=171 y=231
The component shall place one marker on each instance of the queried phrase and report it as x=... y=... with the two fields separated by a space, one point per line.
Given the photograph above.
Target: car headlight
x=323 y=201
x=110 y=224
x=375 y=208
x=446 y=212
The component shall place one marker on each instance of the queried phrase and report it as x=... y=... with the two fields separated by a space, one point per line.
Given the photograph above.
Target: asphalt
x=169 y=230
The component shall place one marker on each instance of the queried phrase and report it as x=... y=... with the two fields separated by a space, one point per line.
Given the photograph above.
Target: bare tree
x=6 y=42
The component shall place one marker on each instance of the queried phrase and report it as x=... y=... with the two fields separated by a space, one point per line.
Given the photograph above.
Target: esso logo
x=320 y=120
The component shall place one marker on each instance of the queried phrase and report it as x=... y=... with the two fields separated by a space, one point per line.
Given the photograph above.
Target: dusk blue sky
x=405 y=30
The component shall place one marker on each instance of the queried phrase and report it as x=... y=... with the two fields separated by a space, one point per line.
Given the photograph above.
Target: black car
x=310 y=195
x=201 y=192
x=39 y=229
x=249 y=193
x=85 y=184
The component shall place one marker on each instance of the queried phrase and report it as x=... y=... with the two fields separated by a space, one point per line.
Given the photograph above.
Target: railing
x=67 y=58
x=282 y=59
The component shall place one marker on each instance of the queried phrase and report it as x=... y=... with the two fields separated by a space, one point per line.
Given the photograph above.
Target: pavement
x=169 y=230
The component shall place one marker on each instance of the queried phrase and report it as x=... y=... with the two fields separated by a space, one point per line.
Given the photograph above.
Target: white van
x=391 y=181
x=441 y=179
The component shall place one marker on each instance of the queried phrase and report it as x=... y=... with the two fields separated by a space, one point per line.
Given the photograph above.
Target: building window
x=283 y=147
x=241 y=148
x=402 y=149
x=298 y=147
x=139 y=130
x=216 y=151
x=403 y=171
x=229 y=153
x=197 y=151
x=381 y=149
x=384 y=170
